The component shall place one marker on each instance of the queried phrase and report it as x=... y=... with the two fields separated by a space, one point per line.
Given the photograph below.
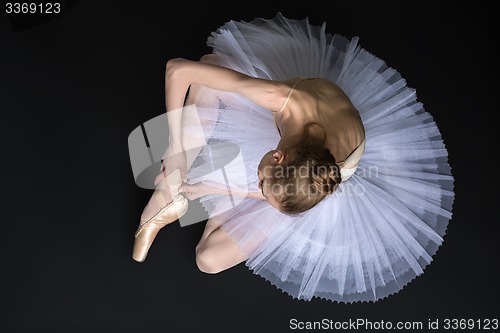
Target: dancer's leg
x=199 y=96
x=216 y=251
x=166 y=205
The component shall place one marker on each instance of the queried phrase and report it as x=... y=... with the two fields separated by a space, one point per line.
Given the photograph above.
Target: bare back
x=318 y=100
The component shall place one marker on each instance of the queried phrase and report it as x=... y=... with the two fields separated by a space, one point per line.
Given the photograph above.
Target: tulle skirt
x=381 y=228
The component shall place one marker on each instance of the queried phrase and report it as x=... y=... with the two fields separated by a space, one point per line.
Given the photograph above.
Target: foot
x=165 y=206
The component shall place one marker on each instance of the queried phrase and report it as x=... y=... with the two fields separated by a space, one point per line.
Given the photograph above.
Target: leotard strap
x=291 y=91
x=288 y=99
x=350 y=164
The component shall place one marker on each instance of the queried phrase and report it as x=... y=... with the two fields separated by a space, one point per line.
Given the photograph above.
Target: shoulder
x=316 y=87
x=313 y=90
x=325 y=86
x=308 y=92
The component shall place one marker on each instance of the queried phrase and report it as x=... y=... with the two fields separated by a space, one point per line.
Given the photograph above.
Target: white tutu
x=380 y=229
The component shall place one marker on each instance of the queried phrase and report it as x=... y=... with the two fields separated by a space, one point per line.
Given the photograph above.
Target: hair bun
x=334 y=178
x=325 y=178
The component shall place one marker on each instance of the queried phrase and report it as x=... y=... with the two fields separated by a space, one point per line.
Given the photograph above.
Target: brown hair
x=308 y=178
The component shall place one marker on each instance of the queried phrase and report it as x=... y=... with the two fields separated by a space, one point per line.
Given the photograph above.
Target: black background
x=72 y=89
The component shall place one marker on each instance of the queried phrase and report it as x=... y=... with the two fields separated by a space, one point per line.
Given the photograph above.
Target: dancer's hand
x=172 y=159
x=195 y=191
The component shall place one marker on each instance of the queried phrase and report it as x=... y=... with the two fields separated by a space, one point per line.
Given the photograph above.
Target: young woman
x=347 y=187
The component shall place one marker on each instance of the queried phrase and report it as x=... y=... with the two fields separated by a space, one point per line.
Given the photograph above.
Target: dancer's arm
x=181 y=73
x=201 y=189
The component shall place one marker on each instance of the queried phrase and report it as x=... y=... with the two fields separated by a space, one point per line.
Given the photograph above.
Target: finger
x=193 y=196
x=185 y=188
x=159 y=178
x=183 y=175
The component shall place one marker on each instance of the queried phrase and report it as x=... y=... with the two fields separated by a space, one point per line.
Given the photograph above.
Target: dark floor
x=73 y=88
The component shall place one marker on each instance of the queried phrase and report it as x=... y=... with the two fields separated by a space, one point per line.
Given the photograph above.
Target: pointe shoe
x=147 y=230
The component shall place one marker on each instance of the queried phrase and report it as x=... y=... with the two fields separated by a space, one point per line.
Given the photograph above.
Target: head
x=298 y=180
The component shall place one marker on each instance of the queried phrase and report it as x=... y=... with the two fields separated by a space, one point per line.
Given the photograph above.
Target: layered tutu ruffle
x=381 y=228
